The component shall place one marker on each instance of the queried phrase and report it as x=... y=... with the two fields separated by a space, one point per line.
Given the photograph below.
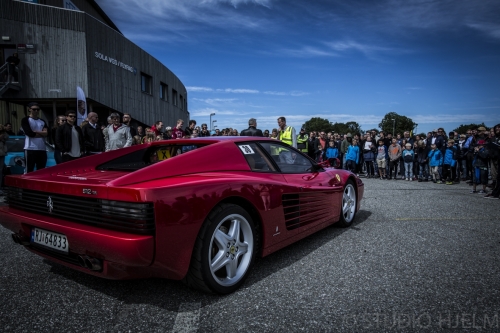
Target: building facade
x=65 y=44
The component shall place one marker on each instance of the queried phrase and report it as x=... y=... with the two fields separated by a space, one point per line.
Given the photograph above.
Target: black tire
x=348 y=205
x=222 y=259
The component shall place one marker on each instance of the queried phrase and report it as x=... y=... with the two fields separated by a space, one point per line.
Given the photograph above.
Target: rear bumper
x=123 y=255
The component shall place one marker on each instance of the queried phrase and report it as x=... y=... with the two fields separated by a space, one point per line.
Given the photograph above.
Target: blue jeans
x=408 y=173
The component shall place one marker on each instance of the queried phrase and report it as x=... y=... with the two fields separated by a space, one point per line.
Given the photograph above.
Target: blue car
x=15 y=162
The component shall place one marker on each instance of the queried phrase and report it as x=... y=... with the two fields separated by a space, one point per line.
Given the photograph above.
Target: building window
x=164 y=91
x=181 y=102
x=174 y=97
x=146 y=83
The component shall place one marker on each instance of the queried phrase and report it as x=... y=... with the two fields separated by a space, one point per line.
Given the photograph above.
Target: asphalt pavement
x=420 y=257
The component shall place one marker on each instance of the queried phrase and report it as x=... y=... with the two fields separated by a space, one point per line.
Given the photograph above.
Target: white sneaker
x=411 y=179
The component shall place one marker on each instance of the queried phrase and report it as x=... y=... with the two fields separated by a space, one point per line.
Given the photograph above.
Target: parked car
x=15 y=162
x=198 y=210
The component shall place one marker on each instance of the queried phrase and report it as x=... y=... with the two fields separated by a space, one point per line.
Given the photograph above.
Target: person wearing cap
x=117 y=135
x=408 y=156
x=480 y=165
x=252 y=129
x=286 y=133
x=167 y=135
x=35 y=130
x=302 y=141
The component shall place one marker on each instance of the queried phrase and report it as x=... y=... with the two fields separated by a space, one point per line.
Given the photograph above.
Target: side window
x=288 y=160
x=257 y=160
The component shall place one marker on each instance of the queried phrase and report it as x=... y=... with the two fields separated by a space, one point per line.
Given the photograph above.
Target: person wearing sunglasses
x=204 y=131
x=35 y=130
x=69 y=138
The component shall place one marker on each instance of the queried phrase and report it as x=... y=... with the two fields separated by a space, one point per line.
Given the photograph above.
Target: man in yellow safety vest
x=302 y=141
x=287 y=133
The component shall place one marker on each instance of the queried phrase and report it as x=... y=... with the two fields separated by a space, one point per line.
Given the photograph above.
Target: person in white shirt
x=35 y=130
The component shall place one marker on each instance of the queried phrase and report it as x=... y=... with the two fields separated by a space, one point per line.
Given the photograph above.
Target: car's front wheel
x=224 y=251
x=349 y=205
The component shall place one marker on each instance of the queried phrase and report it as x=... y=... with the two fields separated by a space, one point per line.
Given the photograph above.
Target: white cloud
x=282 y=93
x=198 y=89
x=493 y=30
x=304 y=52
x=239 y=91
x=236 y=3
x=341 y=46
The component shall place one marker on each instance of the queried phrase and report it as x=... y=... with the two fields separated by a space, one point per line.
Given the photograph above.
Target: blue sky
x=437 y=62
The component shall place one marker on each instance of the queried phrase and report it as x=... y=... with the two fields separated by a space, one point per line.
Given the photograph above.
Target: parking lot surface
x=420 y=257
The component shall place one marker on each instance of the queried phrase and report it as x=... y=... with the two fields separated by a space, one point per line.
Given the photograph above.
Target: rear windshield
x=142 y=158
x=15 y=145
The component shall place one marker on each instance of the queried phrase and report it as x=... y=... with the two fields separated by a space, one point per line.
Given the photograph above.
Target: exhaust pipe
x=90 y=263
x=18 y=239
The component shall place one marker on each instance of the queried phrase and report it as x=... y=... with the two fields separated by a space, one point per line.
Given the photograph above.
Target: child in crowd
x=422 y=159
x=394 y=152
x=369 y=157
x=480 y=164
x=381 y=158
x=331 y=151
x=408 y=156
x=352 y=156
x=450 y=162
x=435 y=161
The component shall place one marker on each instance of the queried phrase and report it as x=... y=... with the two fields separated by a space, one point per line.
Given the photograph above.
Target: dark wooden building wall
x=66 y=45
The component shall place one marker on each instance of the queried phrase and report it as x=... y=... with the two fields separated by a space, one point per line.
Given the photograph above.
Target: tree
x=464 y=128
x=401 y=123
x=340 y=128
x=318 y=124
x=353 y=127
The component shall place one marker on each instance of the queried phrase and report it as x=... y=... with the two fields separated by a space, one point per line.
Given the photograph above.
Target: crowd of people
x=440 y=157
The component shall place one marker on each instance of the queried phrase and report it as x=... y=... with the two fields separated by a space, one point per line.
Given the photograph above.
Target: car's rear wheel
x=349 y=205
x=224 y=251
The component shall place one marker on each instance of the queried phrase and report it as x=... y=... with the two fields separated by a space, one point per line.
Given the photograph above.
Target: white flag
x=81 y=103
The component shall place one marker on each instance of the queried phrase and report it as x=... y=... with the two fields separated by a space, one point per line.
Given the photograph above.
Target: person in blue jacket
x=352 y=156
x=435 y=161
x=331 y=151
x=450 y=162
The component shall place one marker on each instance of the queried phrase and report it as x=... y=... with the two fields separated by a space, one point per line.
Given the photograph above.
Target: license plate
x=50 y=239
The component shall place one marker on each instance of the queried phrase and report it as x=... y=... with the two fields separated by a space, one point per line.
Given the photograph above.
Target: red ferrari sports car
x=199 y=209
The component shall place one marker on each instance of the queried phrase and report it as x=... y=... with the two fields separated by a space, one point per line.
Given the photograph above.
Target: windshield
x=16 y=145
